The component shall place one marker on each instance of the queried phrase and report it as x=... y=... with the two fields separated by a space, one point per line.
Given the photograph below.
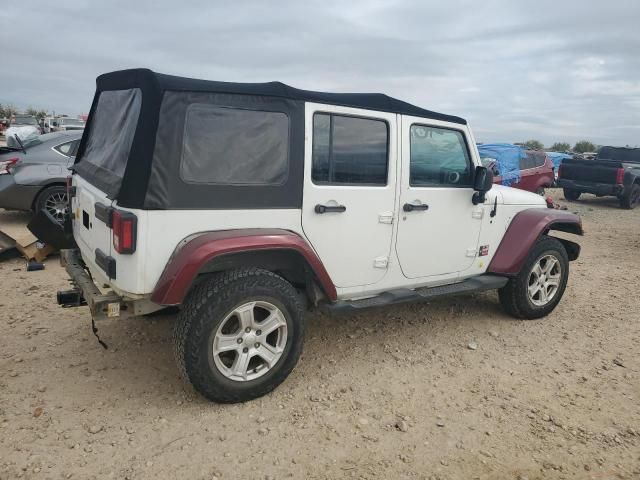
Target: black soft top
x=134 y=139
x=144 y=77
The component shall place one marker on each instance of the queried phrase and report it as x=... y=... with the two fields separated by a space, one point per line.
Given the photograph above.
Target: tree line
x=8 y=111
x=580 y=147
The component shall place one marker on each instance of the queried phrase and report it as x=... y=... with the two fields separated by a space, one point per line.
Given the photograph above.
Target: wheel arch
x=280 y=251
x=526 y=228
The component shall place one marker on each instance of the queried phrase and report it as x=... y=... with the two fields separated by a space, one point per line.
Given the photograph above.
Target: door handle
x=410 y=207
x=330 y=208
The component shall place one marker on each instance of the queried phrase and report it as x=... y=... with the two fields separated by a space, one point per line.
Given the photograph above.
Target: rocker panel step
x=405 y=295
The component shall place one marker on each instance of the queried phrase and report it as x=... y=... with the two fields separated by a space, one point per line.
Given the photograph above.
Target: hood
x=515 y=196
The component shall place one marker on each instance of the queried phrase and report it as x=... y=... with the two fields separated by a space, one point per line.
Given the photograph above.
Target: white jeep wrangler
x=247 y=204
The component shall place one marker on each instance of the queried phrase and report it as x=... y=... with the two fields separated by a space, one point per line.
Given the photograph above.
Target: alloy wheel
x=57 y=205
x=250 y=341
x=544 y=280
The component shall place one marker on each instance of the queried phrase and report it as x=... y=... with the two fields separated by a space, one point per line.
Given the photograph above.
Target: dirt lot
x=392 y=393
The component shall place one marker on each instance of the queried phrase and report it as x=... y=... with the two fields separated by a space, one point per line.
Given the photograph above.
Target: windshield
x=25 y=120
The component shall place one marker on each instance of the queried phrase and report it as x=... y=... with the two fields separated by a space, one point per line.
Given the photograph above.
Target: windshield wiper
x=24 y=150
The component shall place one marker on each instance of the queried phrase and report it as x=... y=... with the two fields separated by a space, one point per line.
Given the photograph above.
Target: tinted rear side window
x=113 y=125
x=232 y=146
x=349 y=150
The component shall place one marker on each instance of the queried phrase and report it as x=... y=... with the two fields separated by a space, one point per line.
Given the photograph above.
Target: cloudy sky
x=559 y=70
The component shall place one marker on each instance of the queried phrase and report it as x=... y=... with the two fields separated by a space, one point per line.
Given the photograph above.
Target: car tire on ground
x=632 y=199
x=54 y=200
x=539 y=286
x=540 y=191
x=239 y=334
x=571 y=194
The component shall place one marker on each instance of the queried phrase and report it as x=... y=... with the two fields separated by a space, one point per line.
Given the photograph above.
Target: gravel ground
x=451 y=389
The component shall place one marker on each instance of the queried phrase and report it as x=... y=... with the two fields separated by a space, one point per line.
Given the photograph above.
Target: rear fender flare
x=197 y=254
x=525 y=230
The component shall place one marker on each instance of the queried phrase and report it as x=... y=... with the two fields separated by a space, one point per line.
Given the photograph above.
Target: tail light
x=620 y=176
x=7 y=164
x=560 y=170
x=124 y=226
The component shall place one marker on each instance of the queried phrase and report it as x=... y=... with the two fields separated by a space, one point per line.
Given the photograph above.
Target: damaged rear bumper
x=85 y=292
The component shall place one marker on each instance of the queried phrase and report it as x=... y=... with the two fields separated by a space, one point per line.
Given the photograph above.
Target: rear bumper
x=592 y=187
x=14 y=196
x=101 y=305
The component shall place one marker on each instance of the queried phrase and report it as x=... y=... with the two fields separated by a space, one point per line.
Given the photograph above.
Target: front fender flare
x=194 y=253
x=525 y=230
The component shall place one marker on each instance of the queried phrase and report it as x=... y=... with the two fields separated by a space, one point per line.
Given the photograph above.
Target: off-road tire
x=571 y=194
x=45 y=194
x=632 y=199
x=514 y=296
x=205 y=308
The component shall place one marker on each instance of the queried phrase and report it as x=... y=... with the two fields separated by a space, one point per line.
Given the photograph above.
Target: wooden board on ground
x=7 y=246
x=27 y=244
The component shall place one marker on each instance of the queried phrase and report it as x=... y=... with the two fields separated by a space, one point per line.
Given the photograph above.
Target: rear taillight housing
x=7 y=164
x=620 y=176
x=560 y=171
x=124 y=226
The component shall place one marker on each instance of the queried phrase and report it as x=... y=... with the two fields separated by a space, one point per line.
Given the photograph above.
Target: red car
x=536 y=172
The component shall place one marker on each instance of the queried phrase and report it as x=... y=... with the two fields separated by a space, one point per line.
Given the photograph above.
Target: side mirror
x=482 y=183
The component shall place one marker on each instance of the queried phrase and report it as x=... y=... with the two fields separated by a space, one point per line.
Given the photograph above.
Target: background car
x=25 y=126
x=513 y=166
x=62 y=124
x=34 y=177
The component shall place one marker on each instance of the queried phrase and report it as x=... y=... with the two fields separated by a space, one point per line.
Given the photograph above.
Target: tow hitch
x=71 y=298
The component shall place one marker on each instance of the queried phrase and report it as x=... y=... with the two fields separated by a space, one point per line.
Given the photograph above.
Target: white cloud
x=517 y=70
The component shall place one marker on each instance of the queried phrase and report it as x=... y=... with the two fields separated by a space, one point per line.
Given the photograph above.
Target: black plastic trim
x=480 y=283
x=104 y=213
x=106 y=263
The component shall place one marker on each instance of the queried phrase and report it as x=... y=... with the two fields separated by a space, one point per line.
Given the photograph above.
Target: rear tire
x=539 y=286
x=219 y=345
x=54 y=200
x=571 y=194
x=632 y=199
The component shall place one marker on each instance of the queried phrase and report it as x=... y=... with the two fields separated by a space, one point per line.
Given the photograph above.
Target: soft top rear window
x=111 y=130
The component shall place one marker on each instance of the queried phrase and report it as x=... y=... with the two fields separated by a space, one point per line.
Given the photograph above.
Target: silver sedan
x=33 y=172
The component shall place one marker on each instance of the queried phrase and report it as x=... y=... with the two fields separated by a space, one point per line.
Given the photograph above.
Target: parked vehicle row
x=263 y=201
x=62 y=124
x=517 y=167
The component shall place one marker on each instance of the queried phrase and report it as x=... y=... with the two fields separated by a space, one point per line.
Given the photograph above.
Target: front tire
x=539 y=286
x=239 y=334
x=571 y=194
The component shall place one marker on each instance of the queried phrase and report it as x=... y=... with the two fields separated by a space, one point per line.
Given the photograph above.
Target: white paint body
x=372 y=247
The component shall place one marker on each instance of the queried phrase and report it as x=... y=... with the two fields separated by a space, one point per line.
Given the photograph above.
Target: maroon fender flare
x=185 y=264
x=524 y=231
